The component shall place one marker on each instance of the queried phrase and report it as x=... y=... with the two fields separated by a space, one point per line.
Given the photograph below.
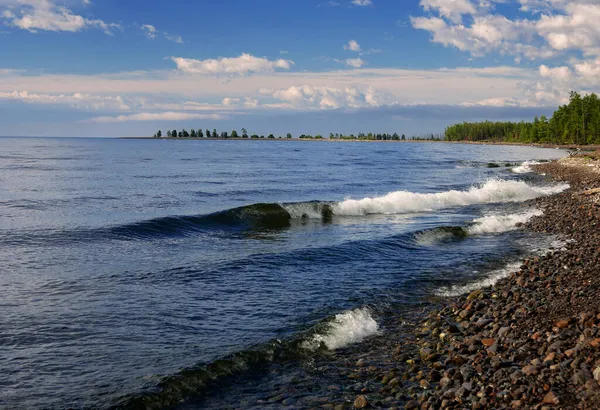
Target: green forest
x=577 y=122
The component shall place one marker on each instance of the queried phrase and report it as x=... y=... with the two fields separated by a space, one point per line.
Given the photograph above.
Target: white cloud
x=242 y=65
x=156 y=116
x=147 y=92
x=175 y=39
x=76 y=100
x=352 y=46
x=355 y=62
x=149 y=31
x=227 y=102
x=362 y=3
x=326 y=98
x=551 y=27
x=451 y=9
x=34 y=15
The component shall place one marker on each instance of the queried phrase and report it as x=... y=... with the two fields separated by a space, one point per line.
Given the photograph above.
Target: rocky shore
x=530 y=341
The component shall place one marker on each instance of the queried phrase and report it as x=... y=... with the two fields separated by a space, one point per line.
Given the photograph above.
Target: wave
x=492 y=191
x=490 y=224
x=343 y=329
x=434 y=236
x=489 y=280
x=346 y=328
x=525 y=167
x=501 y=223
x=276 y=216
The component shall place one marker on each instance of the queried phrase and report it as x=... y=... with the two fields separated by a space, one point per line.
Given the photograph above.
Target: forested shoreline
x=577 y=122
x=214 y=134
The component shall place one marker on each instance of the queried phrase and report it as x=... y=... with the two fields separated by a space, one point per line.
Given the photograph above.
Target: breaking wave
x=493 y=191
x=346 y=328
x=489 y=280
x=339 y=331
x=525 y=167
x=275 y=216
x=490 y=224
x=501 y=223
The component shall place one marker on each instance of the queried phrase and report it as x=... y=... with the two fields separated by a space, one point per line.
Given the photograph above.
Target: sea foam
x=501 y=223
x=346 y=328
x=525 y=167
x=489 y=280
x=492 y=191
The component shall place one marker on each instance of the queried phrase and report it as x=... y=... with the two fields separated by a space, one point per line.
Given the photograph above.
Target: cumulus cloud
x=156 y=116
x=34 y=15
x=327 y=98
x=549 y=28
x=242 y=65
x=362 y=3
x=352 y=46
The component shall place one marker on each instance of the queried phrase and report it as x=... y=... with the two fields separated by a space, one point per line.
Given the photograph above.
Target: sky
x=128 y=68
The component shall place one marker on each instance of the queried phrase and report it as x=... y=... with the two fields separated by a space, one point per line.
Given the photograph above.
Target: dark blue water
x=123 y=262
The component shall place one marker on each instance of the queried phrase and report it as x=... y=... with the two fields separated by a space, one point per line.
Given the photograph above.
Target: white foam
x=525 y=167
x=490 y=280
x=494 y=190
x=346 y=328
x=501 y=223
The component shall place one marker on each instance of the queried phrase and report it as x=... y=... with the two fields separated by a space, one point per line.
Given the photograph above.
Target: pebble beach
x=531 y=341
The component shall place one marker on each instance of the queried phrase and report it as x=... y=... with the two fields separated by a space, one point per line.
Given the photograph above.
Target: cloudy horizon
x=84 y=68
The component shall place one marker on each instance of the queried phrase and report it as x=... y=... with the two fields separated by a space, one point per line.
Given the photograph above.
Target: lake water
x=135 y=270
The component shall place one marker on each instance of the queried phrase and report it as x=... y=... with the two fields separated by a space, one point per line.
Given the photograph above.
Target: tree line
x=201 y=133
x=577 y=122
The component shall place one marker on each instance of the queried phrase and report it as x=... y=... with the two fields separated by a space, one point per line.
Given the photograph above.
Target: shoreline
x=516 y=144
x=532 y=340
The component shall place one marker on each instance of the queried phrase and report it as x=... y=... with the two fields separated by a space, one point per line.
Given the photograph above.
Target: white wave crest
x=493 y=191
x=501 y=223
x=490 y=280
x=346 y=328
x=525 y=167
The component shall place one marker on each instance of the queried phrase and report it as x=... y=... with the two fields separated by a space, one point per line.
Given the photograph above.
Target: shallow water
x=124 y=262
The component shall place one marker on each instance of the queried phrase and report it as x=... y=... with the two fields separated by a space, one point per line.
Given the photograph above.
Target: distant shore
x=519 y=144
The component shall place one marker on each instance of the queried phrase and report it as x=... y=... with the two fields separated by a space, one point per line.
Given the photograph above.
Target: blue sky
x=128 y=68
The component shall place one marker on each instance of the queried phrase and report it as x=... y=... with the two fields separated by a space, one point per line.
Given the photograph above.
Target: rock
x=530 y=370
x=412 y=405
x=361 y=402
x=561 y=324
x=445 y=381
x=475 y=294
x=550 y=357
x=503 y=331
x=394 y=382
x=551 y=398
x=597 y=374
x=488 y=342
